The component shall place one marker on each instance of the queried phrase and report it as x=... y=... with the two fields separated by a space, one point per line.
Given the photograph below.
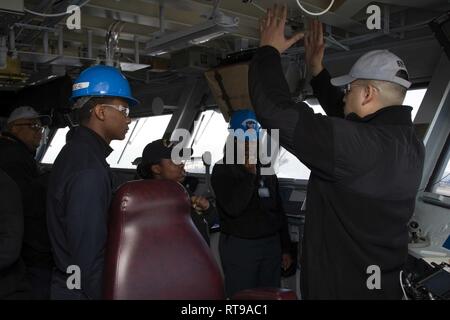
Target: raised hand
x=272 y=30
x=314 y=47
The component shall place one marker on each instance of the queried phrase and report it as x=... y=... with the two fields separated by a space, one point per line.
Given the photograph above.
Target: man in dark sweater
x=365 y=159
x=254 y=241
x=80 y=187
x=13 y=282
x=18 y=145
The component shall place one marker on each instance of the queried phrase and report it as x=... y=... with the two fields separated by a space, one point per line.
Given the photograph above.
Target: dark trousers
x=250 y=263
x=39 y=278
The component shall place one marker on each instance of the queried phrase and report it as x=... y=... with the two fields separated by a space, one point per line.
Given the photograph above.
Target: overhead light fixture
x=215 y=27
x=159 y=53
x=131 y=67
x=208 y=37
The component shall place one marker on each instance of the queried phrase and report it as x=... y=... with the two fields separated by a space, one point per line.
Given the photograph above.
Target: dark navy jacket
x=18 y=162
x=78 y=200
x=365 y=173
x=13 y=284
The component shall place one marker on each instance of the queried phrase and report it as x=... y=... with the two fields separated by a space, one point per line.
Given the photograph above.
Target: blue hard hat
x=245 y=119
x=102 y=81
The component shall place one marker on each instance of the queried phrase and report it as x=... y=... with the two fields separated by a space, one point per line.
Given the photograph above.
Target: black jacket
x=243 y=213
x=78 y=201
x=365 y=173
x=12 y=269
x=19 y=163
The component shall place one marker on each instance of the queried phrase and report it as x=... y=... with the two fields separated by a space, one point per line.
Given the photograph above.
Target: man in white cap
x=365 y=159
x=18 y=144
x=26 y=125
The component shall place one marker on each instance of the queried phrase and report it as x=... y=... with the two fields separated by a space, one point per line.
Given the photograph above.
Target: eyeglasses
x=348 y=87
x=124 y=109
x=32 y=126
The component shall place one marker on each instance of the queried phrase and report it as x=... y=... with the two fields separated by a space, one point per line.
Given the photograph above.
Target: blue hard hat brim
x=132 y=102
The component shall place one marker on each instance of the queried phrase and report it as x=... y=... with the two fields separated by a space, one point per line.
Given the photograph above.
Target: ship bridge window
x=414 y=99
x=209 y=134
x=441 y=184
x=288 y=165
x=141 y=131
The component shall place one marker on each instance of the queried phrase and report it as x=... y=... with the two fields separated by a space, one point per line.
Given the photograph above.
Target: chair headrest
x=154 y=250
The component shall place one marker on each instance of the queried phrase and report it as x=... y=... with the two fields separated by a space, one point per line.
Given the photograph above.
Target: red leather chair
x=155 y=252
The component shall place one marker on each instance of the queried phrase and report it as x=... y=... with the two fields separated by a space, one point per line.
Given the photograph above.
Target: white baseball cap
x=375 y=65
x=27 y=112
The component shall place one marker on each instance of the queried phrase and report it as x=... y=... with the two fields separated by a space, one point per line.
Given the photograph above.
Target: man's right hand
x=314 y=47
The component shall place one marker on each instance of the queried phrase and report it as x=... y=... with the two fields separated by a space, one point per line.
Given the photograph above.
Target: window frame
x=437 y=148
x=430 y=195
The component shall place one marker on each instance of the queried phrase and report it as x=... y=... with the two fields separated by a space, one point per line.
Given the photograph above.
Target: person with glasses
x=80 y=187
x=365 y=159
x=254 y=244
x=18 y=144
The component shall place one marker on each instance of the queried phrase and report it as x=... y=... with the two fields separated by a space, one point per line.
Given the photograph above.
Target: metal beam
x=435 y=110
x=188 y=103
x=351 y=7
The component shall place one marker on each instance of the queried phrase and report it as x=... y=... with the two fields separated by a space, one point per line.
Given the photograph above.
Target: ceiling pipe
x=45 y=42
x=162 y=21
x=12 y=40
x=33 y=27
x=387 y=19
x=136 y=49
x=89 y=53
x=60 y=41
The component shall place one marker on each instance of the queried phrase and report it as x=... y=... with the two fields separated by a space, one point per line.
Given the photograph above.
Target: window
x=414 y=99
x=209 y=134
x=442 y=184
x=288 y=165
x=58 y=141
x=141 y=132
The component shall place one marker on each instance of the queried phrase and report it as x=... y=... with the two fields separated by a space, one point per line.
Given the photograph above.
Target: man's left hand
x=272 y=30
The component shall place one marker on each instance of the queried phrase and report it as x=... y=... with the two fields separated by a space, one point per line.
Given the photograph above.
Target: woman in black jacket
x=156 y=163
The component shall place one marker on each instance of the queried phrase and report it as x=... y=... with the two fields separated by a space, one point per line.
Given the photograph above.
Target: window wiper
x=204 y=129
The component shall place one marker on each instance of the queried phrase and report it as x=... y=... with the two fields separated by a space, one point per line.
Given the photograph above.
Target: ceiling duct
x=218 y=25
x=9 y=6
